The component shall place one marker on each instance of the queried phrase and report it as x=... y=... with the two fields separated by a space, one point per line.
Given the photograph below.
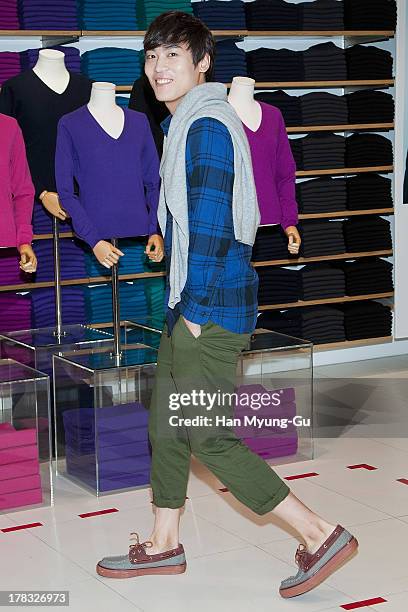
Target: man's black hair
x=175 y=27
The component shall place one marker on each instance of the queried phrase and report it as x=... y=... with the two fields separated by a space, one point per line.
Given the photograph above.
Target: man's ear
x=204 y=64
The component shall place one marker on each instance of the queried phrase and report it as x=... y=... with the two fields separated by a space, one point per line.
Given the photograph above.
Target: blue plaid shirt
x=221 y=283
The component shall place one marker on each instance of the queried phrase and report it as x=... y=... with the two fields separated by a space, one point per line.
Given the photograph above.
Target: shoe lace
x=300 y=554
x=147 y=544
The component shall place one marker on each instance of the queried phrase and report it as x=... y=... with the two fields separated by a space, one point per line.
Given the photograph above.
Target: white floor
x=236 y=559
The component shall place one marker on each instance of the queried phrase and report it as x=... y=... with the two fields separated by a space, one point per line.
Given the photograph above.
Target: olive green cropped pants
x=205 y=364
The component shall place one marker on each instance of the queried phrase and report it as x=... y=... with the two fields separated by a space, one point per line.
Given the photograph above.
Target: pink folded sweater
x=16 y=187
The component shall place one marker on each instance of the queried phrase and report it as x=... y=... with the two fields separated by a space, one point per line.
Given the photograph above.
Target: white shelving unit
x=338 y=352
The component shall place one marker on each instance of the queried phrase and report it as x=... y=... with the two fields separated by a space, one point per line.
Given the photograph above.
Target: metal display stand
x=59 y=332
x=116 y=310
x=35 y=347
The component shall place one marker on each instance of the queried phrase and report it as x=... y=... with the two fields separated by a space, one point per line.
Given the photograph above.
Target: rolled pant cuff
x=279 y=496
x=168 y=503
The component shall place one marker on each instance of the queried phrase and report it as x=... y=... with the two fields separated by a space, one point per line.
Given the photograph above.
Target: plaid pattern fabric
x=221 y=284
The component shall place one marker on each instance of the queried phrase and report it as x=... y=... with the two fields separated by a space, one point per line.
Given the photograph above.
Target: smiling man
x=208 y=214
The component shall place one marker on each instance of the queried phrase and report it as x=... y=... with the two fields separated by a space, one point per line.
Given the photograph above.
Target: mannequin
x=241 y=97
x=50 y=68
x=118 y=178
x=110 y=153
x=251 y=113
x=38 y=98
x=102 y=105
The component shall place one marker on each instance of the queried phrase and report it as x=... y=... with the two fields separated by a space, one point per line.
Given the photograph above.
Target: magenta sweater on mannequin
x=16 y=187
x=274 y=169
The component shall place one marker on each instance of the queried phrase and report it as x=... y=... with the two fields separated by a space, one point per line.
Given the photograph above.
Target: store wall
x=401 y=147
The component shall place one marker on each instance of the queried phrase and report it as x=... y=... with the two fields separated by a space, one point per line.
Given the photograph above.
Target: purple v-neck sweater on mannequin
x=274 y=169
x=118 y=179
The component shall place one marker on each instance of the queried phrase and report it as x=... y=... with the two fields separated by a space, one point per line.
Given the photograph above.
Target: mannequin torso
x=241 y=97
x=104 y=109
x=50 y=68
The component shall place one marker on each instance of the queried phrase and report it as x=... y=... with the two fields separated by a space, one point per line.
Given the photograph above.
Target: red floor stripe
x=89 y=514
x=364 y=603
x=364 y=466
x=18 y=527
x=301 y=476
x=224 y=490
x=403 y=480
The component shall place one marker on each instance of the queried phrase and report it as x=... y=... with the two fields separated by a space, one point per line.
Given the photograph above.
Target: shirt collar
x=165 y=124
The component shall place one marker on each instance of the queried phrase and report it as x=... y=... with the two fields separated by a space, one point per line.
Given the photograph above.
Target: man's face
x=172 y=74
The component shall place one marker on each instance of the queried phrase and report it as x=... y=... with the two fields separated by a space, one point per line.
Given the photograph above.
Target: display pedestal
x=275 y=383
x=35 y=347
x=274 y=402
x=101 y=417
x=25 y=438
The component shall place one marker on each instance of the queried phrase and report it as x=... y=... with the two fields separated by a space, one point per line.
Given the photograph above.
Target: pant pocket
x=183 y=327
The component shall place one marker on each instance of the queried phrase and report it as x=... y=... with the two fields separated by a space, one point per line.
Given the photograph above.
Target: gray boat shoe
x=138 y=563
x=314 y=568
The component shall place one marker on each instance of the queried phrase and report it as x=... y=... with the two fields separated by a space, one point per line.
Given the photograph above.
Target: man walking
x=209 y=216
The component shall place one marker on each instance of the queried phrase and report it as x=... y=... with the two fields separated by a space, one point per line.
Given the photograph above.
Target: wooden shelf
x=347 y=213
x=113 y=33
x=341 y=213
x=340 y=127
x=50 y=236
x=345 y=170
x=32 y=33
x=311 y=84
x=259 y=33
x=299 y=84
x=352 y=343
x=304 y=260
x=325 y=33
x=340 y=300
x=91 y=280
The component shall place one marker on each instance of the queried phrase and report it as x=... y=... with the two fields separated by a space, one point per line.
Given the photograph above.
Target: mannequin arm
x=64 y=175
x=28 y=260
x=155 y=248
x=294 y=239
x=286 y=178
x=106 y=253
x=151 y=178
x=50 y=201
x=22 y=189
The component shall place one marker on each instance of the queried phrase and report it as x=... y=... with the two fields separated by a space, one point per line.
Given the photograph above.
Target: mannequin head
x=179 y=52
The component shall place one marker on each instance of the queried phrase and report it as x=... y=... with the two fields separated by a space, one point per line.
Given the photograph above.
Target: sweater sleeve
x=22 y=189
x=7 y=103
x=151 y=178
x=64 y=176
x=286 y=178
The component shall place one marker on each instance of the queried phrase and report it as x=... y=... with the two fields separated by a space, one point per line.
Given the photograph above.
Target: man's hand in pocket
x=194 y=328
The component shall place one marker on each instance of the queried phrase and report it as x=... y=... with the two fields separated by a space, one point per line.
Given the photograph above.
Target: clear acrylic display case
x=25 y=438
x=35 y=347
x=274 y=406
x=274 y=383
x=101 y=415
